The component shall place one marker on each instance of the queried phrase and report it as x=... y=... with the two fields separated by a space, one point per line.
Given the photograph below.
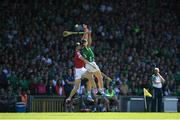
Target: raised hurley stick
x=108 y=78
x=68 y=33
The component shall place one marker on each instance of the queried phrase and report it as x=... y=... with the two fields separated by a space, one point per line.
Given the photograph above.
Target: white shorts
x=91 y=68
x=79 y=72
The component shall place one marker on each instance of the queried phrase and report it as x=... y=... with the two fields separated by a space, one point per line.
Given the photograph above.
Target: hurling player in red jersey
x=80 y=71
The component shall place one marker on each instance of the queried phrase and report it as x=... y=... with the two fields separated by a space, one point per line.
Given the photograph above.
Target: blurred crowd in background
x=130 y=38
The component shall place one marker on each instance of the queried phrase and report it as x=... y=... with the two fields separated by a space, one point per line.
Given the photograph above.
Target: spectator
x=24 y=83
x=41 y=88
x=69 y=82
x=3 y=81
x=60 y=88
x=24 y=97
x=178 y=91
x=50 y=88
x=11 y=100
x=133 y=88
x=13 y=80
x=124 y=88
x=3 y=100
x=33 y=87
x=111 y=97
x=166 y=90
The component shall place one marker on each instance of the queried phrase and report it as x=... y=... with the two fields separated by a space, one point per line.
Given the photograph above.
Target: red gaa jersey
x=77 y=61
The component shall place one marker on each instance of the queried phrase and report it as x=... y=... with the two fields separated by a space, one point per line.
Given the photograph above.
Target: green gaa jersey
x=88 y=54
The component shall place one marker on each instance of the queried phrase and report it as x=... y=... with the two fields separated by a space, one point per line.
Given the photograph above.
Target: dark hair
x=83 y=41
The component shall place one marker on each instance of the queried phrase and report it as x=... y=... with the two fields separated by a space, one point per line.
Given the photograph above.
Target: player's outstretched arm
x=88 y=35
x=89 y=39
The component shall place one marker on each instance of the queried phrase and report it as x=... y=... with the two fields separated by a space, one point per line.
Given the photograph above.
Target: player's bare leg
x=74 y=90
x=100 y=81
x=90 y=85
x=77 y=84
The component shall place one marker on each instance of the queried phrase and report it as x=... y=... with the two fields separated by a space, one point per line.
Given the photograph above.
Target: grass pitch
x=90 y=116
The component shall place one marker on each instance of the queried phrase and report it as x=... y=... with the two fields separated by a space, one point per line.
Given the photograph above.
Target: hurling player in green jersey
x=88 y=54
